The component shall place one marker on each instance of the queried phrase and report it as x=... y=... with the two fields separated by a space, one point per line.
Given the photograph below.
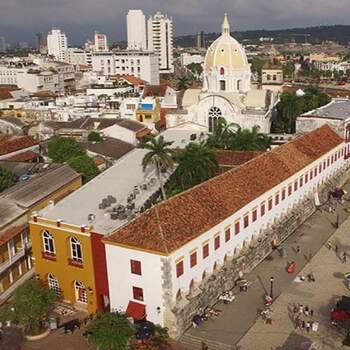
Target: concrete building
x=160 y=40
x=187 y=59
x=41 y=45
x=77 y=57
x=57 y=44
x=100 y=42
x=180 y=255
x=272 y=75
x=200 y=40
x=3 y=45
x=17 y=204
x=141 y=64
x=136 y=30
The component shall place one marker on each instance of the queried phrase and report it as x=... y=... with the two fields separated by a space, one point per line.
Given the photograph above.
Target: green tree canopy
x=94 y=137
x=33 y=303
x=182 y=83
x=250 y=140
x=84 y=165
x=160 y=155
x=288 y=69
x=110 y=331
x=197 y=163
x=195 y=68
x=6 y=179
x=62 y=149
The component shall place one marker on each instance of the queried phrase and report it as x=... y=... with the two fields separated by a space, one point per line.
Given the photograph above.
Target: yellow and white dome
x=226 y=66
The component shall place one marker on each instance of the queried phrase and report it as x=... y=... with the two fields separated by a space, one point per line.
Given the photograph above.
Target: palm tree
x=250 y=140
x=182 y=83
x=223 y=132
x=196 y=164
x=159 y=155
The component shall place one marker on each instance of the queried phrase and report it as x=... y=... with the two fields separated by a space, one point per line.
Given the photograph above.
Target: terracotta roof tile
x=15 y=143
x=24 y=156
x=171 y=224
x=234 y=158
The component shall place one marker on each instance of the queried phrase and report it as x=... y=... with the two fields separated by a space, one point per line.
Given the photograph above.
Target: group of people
x=343 y=256
x=301 y=313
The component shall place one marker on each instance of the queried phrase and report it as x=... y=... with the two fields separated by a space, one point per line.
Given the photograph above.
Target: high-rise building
x=136 y=30
x=100 y=42
x=3 y=46
x=57 y=44
x=40 y=43
x=200 y=40
x=160 y=40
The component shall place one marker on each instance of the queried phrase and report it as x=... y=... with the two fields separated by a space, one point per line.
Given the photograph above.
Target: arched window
x=80 y=292
x=49 y=244
x=214 y=114
x=53 y=284
x=222 y=71
x=76 y=250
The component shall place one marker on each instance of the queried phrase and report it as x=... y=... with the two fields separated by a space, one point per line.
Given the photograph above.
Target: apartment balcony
x=13 y=259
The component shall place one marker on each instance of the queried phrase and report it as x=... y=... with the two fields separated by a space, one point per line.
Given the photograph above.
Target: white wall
x=121 y=280
x=136 y=30
x=121 y=133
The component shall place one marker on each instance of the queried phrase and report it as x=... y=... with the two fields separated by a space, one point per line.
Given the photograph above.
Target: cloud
x=79 y=18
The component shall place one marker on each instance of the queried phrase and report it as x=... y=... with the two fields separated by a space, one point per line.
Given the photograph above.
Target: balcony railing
x=13 y=259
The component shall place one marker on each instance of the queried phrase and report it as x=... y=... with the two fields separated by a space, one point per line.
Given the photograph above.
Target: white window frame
x=53 y=283
x=47 y=239
x=75 y=247
x=80 y=298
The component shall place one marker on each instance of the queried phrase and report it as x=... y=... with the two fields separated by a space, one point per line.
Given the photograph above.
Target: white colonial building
x=226 y=90
x=156 y=262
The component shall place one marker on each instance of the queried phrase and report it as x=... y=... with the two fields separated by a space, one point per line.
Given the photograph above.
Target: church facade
x=226 y=91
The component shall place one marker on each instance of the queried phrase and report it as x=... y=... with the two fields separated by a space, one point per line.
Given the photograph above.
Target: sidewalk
x=238 y=317
x=320 y=295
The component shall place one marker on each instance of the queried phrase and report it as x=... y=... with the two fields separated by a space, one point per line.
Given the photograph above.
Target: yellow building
x=64 y=258
x=148 y=111
x=16 y=206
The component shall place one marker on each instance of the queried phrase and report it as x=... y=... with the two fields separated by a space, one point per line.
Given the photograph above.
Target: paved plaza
x=238 y=317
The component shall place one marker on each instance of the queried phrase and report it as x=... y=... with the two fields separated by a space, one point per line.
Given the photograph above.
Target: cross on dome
x=226 y=26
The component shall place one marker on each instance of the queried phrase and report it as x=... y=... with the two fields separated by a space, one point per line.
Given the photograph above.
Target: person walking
x=344 y=258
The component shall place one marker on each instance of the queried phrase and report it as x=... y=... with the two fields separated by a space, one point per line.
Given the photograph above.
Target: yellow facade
x=60 y=267
x=153 y=116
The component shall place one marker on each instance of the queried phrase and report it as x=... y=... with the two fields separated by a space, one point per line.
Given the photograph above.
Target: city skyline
x=21 y=20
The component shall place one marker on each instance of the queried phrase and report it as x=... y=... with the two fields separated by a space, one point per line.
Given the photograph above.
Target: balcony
x=13 y=259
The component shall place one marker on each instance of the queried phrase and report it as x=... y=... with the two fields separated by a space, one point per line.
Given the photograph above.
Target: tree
x=195 y=68
x=222 y=134
x=94 y=137
x=32 y=304
x=62 y=149
x=6 y=178
x=110 y=331
x=159 y=155
x=257 y=66
x=288 y=69
x=250 y=140
x=182 y=83
x=84 y=165
x=197 y=163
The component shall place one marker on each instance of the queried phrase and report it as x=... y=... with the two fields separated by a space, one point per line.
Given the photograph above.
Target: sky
x=21 y=19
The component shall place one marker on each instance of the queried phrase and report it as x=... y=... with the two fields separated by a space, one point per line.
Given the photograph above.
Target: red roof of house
x=47 y=93
x=15 y=143
x=133 y=80
x=154 y=90
x=5 y=93
x=24 y=156
x=235 y=158
x=171 y=224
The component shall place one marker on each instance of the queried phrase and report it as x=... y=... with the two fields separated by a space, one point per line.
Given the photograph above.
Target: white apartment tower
x=136 y=30
x=57 y=44
x=3 y=46
x=100 y=42
x=160 y=40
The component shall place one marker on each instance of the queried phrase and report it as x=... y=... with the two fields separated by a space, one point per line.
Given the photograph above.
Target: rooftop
x=171 y=224
x=9 y=144
x=111 y=147
x=117 y=181
x=338 y=108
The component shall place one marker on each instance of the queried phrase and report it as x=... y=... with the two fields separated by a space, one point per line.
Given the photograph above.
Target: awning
x=136 y=310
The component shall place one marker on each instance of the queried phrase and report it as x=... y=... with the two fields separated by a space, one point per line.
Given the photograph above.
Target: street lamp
x=271 y=287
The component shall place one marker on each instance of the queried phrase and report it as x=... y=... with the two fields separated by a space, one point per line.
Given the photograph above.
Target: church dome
x=225 y=52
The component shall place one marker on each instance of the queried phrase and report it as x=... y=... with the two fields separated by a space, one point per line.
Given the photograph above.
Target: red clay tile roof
x=47 y=93
x=155 y=90
x=24 y=156
x=5 y=93
x=133 y=80
x=234 y=158
x=15 y=143
x=171 y=224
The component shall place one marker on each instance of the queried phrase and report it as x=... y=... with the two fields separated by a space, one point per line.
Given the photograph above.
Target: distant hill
x=339 y=33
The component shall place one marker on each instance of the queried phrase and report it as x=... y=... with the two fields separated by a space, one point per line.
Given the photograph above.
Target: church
x=227 y=91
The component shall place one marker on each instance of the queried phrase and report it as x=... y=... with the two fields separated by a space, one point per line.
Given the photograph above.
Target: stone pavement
x=320 y=295
x=239 y=316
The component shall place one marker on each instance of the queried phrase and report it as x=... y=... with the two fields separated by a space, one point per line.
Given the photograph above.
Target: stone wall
x=178 y=317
